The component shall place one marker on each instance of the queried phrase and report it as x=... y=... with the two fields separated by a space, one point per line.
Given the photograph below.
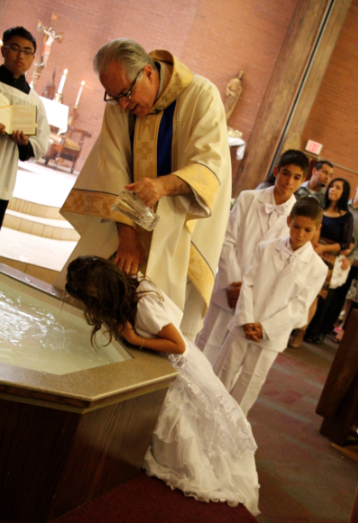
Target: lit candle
x=62 y=82
x=79 y=94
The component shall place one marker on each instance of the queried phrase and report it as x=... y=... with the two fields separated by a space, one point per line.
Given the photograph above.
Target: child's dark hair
x=18 y=31
x=108 y=293
x=342 y=203
x=310 y=207
x=294 y=157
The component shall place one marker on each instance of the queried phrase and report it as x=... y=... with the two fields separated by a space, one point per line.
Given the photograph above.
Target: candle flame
x=83 y=83
x=65 y=71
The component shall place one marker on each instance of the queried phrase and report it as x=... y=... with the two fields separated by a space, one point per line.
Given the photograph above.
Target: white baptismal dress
x=202 y=443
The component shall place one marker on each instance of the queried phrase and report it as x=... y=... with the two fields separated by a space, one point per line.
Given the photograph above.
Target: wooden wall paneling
x=338 y=403
x=315 y=75
x=54 y=461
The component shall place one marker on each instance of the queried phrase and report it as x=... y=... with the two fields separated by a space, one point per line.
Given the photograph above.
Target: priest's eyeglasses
x=16 y=49
x=115 y=99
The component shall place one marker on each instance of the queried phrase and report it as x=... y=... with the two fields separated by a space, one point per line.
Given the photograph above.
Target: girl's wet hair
x=108 y=293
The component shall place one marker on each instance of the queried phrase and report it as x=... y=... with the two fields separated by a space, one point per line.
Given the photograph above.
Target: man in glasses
x=18 y=51
x=164 y=137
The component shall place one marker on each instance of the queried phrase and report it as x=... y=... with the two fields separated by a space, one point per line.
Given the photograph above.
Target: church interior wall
x=333 y=118
x=215 y=39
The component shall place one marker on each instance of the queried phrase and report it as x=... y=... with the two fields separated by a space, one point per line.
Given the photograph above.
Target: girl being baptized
x=202 y=443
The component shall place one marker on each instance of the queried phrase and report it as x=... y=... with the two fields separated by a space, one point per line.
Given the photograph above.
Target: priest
x=163 y=137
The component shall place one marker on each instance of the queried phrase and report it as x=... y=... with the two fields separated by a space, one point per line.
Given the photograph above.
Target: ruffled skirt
x=202 y=443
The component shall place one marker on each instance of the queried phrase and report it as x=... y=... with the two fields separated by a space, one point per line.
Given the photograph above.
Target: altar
x=57 y=114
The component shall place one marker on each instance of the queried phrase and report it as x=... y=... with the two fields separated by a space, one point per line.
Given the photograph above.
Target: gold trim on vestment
x=145 y=145
x=181 y=78
x=94 y=204
x=201 y=275
x=202 y=180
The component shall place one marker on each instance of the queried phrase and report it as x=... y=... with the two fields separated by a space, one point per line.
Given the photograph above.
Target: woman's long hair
x=342 y=204
x=108 y=293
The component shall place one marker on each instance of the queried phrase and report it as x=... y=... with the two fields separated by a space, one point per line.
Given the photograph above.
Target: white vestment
x=277 y=292
x=249 y=223
x=9 y=151
x=187 y=241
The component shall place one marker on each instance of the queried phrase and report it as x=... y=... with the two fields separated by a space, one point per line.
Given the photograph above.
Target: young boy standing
x=277 y=291
x=256 y=216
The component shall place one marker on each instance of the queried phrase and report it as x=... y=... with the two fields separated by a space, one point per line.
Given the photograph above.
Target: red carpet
x=149 y=500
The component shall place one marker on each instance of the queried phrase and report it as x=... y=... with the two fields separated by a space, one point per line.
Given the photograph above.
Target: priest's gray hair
x=125 y=51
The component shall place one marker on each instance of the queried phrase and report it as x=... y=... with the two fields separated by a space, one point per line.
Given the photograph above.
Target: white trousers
x=243 y=366
x=214 y=332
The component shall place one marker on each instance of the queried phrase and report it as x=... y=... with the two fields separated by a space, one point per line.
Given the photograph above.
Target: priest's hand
x=151 y=190
x=233 y=293
x=20 y=138
x=130 y=252
x=2 y=128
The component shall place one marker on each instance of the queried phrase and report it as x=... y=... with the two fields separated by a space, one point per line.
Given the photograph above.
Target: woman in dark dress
x=336 y=237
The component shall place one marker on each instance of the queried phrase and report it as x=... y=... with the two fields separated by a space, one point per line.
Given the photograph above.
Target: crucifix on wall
x=49 y=39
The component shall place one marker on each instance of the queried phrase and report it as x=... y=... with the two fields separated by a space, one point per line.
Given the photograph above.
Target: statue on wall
x=232 y=93
x=50 y=37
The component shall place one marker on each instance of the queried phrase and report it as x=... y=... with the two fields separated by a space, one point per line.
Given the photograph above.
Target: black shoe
x=319 y=339
x=309 y=338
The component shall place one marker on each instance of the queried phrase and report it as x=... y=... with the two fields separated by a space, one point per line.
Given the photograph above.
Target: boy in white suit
x=277 y=291
x=256 y=216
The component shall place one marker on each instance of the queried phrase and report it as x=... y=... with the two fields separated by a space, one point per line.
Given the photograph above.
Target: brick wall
x=214 y=38
x=333 y=119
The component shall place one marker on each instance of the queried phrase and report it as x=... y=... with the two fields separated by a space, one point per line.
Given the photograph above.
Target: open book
x=18 y=117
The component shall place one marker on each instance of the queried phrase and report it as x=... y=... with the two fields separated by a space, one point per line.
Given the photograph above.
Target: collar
x=267 y=196
x=178 y=78
x=7 y=78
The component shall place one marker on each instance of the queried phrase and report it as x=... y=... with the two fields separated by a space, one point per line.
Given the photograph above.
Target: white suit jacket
x=248 y=225
x=278 y=294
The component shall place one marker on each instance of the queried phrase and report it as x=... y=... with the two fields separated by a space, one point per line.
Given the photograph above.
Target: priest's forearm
x=151 y=190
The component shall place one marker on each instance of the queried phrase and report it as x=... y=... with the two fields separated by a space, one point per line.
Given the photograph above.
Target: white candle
x=79 y=94
x=62 y=82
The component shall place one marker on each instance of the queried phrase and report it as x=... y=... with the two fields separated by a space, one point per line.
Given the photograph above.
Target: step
x=35 y=209
x=33 y=224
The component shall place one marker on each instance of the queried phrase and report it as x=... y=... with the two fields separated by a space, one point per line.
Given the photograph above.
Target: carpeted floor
x=149 y=500
x=303 y=478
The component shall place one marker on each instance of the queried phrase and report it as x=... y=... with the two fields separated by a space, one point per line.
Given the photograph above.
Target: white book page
x=23 y=118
